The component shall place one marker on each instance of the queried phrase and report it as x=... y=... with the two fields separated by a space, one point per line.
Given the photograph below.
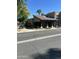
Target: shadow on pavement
x=52 y=53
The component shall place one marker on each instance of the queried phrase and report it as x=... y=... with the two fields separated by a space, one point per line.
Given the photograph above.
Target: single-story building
x=44 y=21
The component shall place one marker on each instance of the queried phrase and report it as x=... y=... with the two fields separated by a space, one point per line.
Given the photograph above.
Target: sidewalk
x=32 y=30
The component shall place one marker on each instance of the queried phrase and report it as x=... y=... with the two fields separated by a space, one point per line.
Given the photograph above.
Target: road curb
x=33 y=30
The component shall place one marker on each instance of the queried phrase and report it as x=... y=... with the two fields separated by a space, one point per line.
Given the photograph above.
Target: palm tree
x=22 y=11
x=39 y=11
x=20 y=4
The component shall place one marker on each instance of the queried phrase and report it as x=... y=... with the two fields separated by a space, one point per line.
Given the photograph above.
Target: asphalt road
x=44 y=48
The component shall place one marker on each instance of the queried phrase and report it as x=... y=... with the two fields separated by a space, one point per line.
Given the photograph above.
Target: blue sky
x=45 y=5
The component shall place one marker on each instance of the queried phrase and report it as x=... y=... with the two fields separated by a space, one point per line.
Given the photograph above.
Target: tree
x=22 y=11
x=20 y=3
x=39 y=11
